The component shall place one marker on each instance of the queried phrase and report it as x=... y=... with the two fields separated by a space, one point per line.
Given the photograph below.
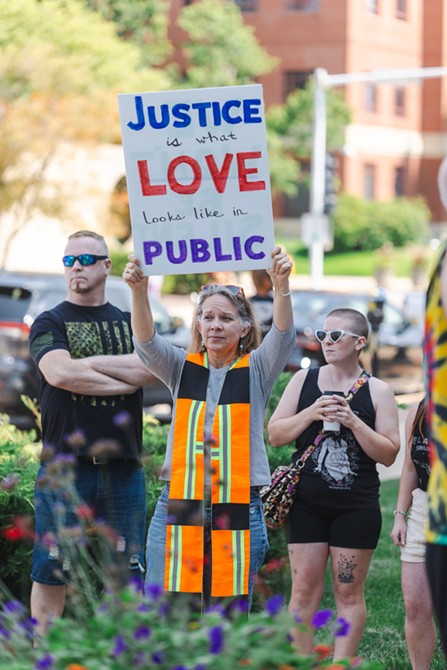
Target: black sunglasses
x=84 y=259
x=235 y=290
x=334 y=335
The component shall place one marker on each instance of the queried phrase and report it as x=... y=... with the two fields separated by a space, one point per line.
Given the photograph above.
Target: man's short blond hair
x=90 y=233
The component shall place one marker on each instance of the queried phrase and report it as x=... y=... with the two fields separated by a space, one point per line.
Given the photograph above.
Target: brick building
x=397 y=137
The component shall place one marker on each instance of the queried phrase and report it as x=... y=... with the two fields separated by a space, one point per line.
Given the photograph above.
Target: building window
x=399 y=101
x=399 y=182
x=294 y=81
x=303 y=5
x=247 y=5
x=401 y=10
x=372 y=6
x=370 y=97
x=369 y=182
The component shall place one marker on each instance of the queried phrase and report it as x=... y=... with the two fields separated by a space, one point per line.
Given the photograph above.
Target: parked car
x=311 y=307
x=25 y=295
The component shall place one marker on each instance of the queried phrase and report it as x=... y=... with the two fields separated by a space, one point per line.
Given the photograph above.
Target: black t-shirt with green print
x=84 y=424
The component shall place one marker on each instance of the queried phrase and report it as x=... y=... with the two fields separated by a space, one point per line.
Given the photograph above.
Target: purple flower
x=179 y=667
x=44 y=663
x=142 y=633
x=122 y=419
x=274 y=605
x=9 y=482
x=157 y=657
x=344 y=627
x=321 y=618
x=153 y=590
x=139 y=659
x=14 y=607
x=200 y=666
x=240 y=605
x=143 y=608
x=120 y=646
x=217 y=608
x=216 y=639
x=164 y=609
x=4 y=632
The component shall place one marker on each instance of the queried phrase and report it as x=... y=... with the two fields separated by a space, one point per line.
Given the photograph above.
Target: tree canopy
x=220 y=49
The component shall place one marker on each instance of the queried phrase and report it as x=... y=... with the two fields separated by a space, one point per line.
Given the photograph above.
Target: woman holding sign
x=208 y=534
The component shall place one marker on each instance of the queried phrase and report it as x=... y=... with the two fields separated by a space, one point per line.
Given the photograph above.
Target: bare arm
x=381 y=444
x=126 y=368
x=408 y=482
x=282 y=305
x=79 y=376
x=285 y=424
x=142 y=319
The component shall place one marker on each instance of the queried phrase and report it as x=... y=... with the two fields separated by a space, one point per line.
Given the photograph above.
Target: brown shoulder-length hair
x=419 y=419
x=250 y=341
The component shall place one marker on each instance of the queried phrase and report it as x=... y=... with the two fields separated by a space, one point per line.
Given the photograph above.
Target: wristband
x=399 y=511
x=284 y=295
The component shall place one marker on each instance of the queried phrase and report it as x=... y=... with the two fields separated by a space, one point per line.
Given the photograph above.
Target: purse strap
x=364 y=376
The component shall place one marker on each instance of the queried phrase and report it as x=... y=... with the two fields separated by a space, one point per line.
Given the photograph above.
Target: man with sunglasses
x=350 y=419
x=91 y=407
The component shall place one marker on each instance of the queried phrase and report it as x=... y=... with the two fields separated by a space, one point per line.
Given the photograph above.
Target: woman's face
x=346 y=347
x=221 y=327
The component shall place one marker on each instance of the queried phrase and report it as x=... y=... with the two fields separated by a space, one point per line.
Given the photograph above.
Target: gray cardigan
x=266 y=363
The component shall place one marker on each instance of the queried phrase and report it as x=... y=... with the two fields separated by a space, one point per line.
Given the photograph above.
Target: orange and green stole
x=230 y=483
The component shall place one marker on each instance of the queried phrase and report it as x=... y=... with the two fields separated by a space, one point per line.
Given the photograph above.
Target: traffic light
x=330 y=183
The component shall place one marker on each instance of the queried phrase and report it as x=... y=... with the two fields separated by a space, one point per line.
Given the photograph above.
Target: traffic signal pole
x=322 y=82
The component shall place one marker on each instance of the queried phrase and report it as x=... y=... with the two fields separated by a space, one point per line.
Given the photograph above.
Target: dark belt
x=101 y=460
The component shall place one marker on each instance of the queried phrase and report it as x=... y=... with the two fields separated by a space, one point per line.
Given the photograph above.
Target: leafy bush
x=18 y=468
x=122 y=628
x=365 y=225
x=128 y=630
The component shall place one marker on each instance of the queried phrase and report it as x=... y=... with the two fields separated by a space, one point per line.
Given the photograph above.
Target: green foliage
x=293 y=121
x=220 y=49
x=184 y=284
x=289 y=133
x=119 y=260
x=18 y=467
x=143 y=22
x=366 y=225
x=128 y=631
x=61 y=67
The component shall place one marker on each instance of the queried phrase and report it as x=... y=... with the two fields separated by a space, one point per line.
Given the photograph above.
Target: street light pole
x=317 y=177
x=323 y=81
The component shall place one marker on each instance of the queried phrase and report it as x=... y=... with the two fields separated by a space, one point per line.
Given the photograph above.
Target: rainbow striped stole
x=230 y=483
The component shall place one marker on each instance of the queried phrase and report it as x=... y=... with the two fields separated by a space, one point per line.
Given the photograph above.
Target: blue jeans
x=115 y=493
x=156 y=540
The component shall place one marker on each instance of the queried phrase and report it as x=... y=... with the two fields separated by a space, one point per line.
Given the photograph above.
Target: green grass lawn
x=358 y=263
x=384 y=638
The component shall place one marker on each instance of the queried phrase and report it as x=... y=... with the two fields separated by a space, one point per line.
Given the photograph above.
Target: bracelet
x=399 y=511
x=284 y=295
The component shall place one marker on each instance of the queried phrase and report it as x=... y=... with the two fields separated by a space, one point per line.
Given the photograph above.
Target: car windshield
x=14 y=303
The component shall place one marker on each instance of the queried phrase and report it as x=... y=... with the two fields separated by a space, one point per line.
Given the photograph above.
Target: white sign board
x=198 y=179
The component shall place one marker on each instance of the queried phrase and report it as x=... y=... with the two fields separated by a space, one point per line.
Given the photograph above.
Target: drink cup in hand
x=333 y=426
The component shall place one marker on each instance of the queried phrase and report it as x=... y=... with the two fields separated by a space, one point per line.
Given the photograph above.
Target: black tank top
x=338 y=473
x=419 y=455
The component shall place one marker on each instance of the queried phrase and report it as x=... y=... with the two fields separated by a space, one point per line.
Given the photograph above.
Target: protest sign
x=198 y=179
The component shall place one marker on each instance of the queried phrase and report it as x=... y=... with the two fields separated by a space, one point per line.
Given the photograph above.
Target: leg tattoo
x=346 y=569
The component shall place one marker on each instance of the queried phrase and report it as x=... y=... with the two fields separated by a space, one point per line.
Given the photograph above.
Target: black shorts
x=338 y=527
